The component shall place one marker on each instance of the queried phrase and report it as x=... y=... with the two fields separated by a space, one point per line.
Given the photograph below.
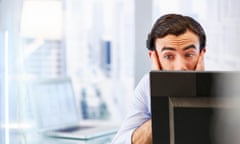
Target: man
x=175 y=42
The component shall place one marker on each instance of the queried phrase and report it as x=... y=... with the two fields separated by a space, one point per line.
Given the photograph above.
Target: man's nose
x=181 y=65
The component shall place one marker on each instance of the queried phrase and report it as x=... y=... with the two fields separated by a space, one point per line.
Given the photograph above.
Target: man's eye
x=168 y=57
x=189 y=55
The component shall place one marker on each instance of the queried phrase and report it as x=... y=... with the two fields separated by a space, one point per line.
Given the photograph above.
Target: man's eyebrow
x=185 y=48
x=168 y=48
x=189 y=47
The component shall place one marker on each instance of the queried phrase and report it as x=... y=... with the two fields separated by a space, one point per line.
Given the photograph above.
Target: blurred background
x=100 y=45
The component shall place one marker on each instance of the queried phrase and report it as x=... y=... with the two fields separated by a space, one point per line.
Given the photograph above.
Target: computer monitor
x=187 y=107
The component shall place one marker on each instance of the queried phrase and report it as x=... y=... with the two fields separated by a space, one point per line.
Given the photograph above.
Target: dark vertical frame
x=160 y=122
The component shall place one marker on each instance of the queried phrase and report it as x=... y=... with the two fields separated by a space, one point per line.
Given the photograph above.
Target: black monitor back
x=185 y=105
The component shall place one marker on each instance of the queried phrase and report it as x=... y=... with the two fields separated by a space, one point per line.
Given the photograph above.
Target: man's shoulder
x=146 y=76
x=144 y=80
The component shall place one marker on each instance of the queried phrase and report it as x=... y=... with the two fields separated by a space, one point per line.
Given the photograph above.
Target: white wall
x=143 y=24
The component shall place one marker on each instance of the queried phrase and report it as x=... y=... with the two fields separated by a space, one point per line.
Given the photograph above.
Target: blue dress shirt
x=139 y=112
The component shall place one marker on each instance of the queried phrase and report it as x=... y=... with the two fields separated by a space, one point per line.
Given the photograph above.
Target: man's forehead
x=183 y=39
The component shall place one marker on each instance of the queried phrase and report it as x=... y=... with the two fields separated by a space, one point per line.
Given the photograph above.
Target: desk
x=32 y=137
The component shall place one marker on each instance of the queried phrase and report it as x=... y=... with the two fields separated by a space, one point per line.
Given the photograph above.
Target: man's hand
x=200 y=64
x=143 y=134
x=155 y=60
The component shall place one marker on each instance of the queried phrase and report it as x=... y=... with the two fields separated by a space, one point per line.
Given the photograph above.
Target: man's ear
x=203 y=50
x=150 y=53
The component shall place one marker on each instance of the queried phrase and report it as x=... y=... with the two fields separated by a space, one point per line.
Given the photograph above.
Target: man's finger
x=200 y=64
x=155 y=61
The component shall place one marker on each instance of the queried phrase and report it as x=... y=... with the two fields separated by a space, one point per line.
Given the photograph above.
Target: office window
x=99 y=48
x=46 y=61
x=90 y=41
x=41 y=30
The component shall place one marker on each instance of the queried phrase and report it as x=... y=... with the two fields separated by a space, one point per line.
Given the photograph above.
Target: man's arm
x=143 y=134
x=139 y=112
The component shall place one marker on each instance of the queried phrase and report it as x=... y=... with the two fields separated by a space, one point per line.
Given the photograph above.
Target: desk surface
x=31 y=137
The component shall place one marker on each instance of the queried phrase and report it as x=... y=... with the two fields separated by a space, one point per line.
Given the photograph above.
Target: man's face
x=178 y=52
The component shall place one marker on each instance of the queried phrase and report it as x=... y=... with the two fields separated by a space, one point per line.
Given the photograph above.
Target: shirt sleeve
x=139 y=112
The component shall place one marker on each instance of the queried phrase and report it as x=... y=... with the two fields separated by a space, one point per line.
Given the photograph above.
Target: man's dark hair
x=175 y=24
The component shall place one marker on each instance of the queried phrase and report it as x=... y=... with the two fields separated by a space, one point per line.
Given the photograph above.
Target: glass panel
x=99 y=47
x=90 y=41
x=41 y=31
x=2 y=88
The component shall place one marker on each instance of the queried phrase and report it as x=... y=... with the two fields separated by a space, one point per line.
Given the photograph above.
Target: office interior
x=101 y=46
